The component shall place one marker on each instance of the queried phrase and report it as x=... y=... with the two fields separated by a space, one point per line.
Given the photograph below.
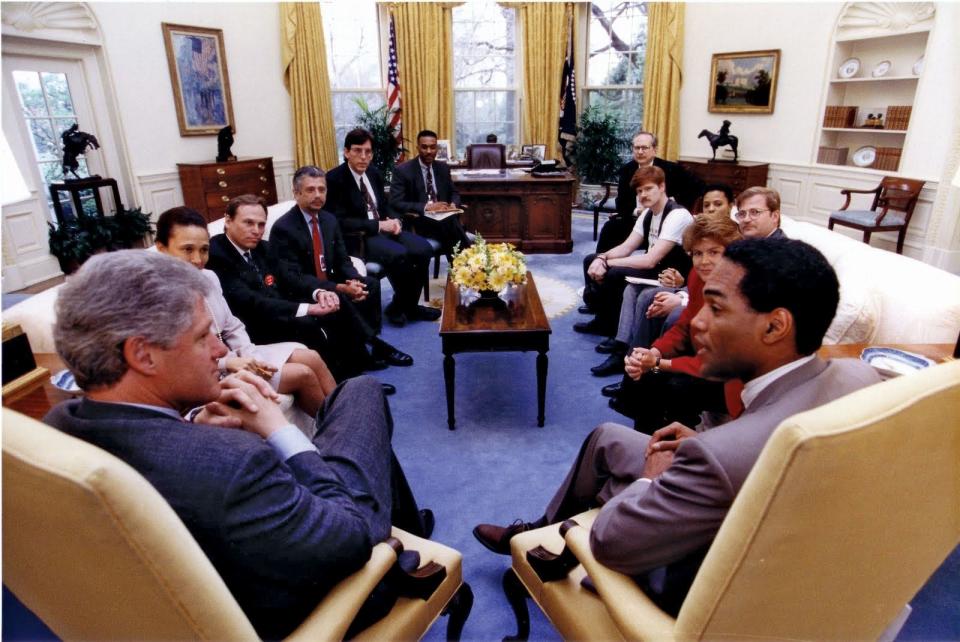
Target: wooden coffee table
x=493 y=328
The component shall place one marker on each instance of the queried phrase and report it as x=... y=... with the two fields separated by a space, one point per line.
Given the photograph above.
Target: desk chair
x=95 y=551
x=836 y=528
x=486 y=156
x=604 y=204
x=893 y=203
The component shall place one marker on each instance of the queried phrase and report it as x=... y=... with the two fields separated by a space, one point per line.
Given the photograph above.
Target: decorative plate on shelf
x=918 y=66
x=882 y=68
x=865 y=156
x=895 y=361
x=849 y=68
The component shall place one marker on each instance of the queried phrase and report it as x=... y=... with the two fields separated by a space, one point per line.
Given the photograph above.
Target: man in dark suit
x=282 y=518
x=768 y=304
x=758 y=213
x=308 y=249
x=276 y=311
x=355 y=196
x=424 y=185
x=682 y=186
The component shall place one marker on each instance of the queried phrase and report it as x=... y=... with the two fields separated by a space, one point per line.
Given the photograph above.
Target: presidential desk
x=514 y=207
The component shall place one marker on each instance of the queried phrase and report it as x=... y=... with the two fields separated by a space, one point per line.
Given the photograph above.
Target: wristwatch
x=656 y=366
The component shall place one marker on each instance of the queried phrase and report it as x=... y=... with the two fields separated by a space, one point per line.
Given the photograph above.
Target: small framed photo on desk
x=443 y=150
x=535 y=152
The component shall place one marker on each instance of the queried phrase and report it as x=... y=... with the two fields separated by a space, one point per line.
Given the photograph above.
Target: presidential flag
x=567 y=133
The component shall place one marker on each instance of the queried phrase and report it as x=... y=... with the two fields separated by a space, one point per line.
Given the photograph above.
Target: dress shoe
x=588 y=327
x=374 y=364
x=611 y=389
x=612 y=365
x=395 y=317
x=385 y=352
x=617 y=404
x=423 y=313
x=497 y=538
x=428 y=521
x=585 y=309
x=388 y=389
x=611 y=346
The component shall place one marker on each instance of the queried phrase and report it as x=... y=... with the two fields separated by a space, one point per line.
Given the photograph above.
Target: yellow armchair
x=848 y=511
x=95 y=551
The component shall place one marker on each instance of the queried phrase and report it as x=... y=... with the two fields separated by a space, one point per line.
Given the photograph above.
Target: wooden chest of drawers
x=739 y=176
x=208 y=187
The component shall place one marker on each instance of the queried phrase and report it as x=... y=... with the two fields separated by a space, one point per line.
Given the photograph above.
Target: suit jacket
x=408 y=192
x=291 y=245
x=345 y=200
x=683 y=186
x=281 y=534
x=651 y=525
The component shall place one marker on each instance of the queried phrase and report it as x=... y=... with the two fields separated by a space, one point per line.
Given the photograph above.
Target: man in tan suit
x=767 y=306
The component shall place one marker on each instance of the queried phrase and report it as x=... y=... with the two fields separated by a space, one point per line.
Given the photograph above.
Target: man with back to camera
x=282 y=518
x=274 y=310
x=423 y=185
x=356 y=197
x=683 y=186
x=768 y=304
x=307 y=247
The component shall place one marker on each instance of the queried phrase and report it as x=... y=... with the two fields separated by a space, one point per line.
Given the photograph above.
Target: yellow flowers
x=488 y=267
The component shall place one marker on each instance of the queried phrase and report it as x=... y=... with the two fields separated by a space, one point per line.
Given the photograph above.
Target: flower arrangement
x=483 y=266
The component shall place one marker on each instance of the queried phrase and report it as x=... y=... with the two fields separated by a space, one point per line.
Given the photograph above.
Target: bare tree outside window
x=617 y=42
x=484 y=71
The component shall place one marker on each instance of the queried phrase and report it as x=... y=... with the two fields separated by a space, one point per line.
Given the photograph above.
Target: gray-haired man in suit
x=767 y=306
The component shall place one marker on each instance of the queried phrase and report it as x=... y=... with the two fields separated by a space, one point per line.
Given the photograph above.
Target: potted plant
x=386 y=147
x=598 y=148
x=130 y=227
x=70 y=243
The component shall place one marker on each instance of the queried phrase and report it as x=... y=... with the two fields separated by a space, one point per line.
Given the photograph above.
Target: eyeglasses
x=742 y=215
x=642 y=148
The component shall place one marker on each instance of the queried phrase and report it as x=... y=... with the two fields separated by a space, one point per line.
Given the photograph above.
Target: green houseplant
x=386 y=148
x=597 y=150
x=75 y=240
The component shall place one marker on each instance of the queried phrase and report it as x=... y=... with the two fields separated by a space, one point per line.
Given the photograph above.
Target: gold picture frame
x=744 y=82
x=201 y=85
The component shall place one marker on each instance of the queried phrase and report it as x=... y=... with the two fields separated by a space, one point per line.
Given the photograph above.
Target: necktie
x=317 y=249
x=371 y=204
x=431 y=191
x=250 y=262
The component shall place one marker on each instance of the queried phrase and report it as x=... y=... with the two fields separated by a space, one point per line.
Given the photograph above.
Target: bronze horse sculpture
x=76 y=142
x=721 y=138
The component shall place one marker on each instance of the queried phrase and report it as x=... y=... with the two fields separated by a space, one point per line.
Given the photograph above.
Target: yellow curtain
x=663 y=75
x=544 y=27
x=425 y=64
x=303 y=51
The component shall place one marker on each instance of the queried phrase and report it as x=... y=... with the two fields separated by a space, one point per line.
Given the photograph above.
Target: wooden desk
x=36 y=401
x=483 y=328
x=939 y=352
x=532 y=213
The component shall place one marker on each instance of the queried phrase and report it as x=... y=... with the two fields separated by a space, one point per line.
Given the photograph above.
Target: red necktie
x=317 y=249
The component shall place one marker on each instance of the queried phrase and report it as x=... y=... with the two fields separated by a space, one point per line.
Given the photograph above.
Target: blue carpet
x=498 y=465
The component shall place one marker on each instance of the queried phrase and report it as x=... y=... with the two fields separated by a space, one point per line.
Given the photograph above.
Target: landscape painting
x=744 y=82
x=198 y=71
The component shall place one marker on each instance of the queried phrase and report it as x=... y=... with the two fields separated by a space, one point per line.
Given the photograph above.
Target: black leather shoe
x=374 y=364
x=386 y=352
x=588 y=327
x=612 y=365
x=427 y=521
x=395 y=318
x=585 y=309
x=388 y=389
x=611 y=389
x=618 y=405
x=423 y=313
x=611 y=346
x=497 y=538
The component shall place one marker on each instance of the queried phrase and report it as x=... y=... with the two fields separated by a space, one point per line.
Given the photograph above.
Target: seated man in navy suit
x=355 y=196
x=282 y=518
x=422 y=185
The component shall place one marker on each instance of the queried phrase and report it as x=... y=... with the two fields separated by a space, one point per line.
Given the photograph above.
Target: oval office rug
x=557 y=297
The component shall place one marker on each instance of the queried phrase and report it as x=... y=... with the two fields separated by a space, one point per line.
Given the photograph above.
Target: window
x=352 y=34
x=617 y=42
x=485 y=73
x=48 y=109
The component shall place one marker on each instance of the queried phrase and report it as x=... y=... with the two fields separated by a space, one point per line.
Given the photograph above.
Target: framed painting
x=744 y=82
x=535 y=152
x=443 y=150
x=198 y=71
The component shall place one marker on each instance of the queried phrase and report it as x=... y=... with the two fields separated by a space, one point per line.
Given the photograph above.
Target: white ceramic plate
x=881 y=69
x=865 y=156
x=849 y=68
x=918 y=66
x=893 y=360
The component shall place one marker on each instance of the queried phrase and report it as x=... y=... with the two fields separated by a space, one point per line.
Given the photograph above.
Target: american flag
x=393 y=87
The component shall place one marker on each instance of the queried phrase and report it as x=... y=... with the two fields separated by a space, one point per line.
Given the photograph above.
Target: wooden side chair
x=94 y=550
x=834 y=531
x=893 y=204
x=606 y=203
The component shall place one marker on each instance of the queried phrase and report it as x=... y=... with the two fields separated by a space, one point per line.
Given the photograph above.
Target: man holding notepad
x=423 y=186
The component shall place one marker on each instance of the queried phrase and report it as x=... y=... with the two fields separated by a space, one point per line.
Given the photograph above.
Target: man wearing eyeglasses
x=758 y=213
x=683 y=186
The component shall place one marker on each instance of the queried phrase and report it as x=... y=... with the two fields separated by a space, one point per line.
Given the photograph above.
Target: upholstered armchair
x=486 y=156
x=95 y=551
x=846 y=514
x=894 y=200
